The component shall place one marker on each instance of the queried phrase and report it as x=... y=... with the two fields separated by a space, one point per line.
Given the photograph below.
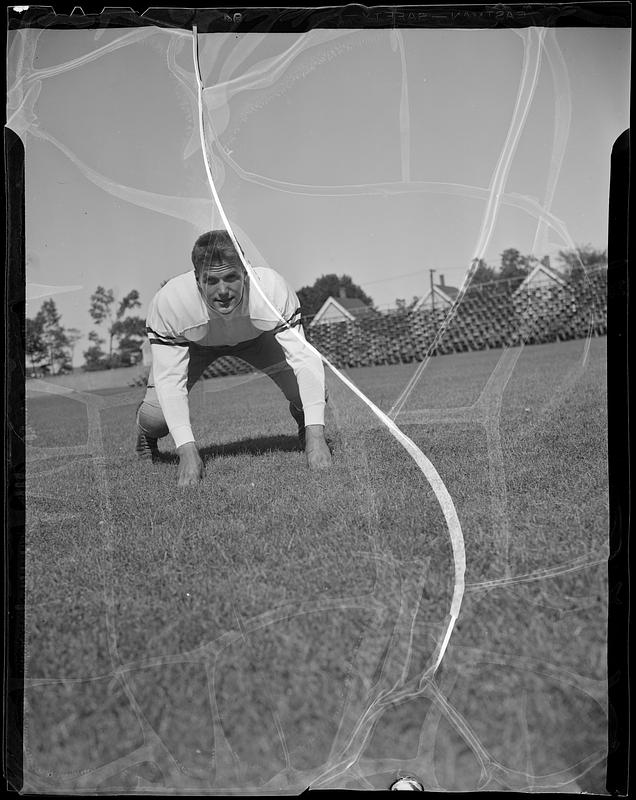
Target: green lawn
x=273 y=628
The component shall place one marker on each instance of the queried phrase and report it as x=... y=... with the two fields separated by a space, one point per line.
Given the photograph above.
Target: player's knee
x=151 y=421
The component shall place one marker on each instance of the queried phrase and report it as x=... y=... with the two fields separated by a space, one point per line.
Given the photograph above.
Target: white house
x=535 y=298
x=441 y=296
x=340 y=309
x=541 y=277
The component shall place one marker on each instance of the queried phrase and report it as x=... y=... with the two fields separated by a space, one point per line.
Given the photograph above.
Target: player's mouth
x=224 y=303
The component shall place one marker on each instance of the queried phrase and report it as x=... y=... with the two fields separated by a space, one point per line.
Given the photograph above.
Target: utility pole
x=432 y=290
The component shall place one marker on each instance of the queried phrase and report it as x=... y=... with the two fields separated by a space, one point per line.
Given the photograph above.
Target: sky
x=378 y=154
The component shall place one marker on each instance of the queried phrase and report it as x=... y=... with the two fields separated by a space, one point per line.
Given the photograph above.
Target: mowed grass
x=233 y=635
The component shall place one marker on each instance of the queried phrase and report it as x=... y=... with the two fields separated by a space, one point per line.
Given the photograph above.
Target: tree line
x=50 y=346
x=513 y=266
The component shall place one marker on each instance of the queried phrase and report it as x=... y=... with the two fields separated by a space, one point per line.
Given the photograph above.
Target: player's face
x=222 y=286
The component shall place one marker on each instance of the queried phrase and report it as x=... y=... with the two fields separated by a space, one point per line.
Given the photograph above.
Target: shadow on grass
x=255 y=447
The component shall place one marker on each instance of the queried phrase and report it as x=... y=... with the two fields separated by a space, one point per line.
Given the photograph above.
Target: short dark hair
x=212 y=247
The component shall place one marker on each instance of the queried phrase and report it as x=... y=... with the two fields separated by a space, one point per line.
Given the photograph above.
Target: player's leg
x=267 y=356
x=151 y=423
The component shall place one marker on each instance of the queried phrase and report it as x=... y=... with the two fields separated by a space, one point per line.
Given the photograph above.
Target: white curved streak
x=430 y=473
x=562 y=120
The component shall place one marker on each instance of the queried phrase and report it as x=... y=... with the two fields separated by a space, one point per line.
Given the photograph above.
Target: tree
x=128 y=332
x=312 y=297
x=35 y=346
x=514 y=266
x=483 y=273
x=575 y=262
x=95 y=357
x=403 y=306
x=73 y=335
x=46 y=330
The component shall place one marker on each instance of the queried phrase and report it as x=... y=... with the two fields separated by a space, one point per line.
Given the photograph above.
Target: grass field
x=274 y=629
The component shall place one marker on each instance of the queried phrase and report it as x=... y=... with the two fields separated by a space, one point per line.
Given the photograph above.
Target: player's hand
x=316 y=449
x=190 y=465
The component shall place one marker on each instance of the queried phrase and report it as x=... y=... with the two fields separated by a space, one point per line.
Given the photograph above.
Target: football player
x=215 y=311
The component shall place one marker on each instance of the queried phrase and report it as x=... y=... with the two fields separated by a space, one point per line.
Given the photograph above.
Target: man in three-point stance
x=214 y=311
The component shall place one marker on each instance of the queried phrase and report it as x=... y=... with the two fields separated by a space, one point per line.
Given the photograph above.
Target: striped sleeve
x=170 y=341
x=292 y=321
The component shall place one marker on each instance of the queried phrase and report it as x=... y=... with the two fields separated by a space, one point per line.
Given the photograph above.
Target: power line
x=392 y=278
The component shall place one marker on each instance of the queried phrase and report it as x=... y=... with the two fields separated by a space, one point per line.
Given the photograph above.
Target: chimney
x=342 y=292
x=441 y=281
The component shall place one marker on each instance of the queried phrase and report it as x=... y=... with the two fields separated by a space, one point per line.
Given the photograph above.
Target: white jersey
x=178 y=316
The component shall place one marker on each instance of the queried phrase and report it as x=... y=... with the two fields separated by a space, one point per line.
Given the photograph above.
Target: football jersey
x=178 y=312
x=178 y=316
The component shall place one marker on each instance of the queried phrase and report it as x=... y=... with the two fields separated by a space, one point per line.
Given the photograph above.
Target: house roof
x=446 y=293
x=540 y=275
x=349 y=307
x=353 y=304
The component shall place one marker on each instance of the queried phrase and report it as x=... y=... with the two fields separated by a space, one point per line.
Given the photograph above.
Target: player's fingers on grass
x=320 y=460
x=187 y=484
x=191 y=479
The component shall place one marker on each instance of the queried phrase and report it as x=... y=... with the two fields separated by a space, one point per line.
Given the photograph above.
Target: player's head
x=219 y=271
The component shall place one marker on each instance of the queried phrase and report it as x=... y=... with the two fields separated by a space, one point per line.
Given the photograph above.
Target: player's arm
x=170 y=361
x=310 y=374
